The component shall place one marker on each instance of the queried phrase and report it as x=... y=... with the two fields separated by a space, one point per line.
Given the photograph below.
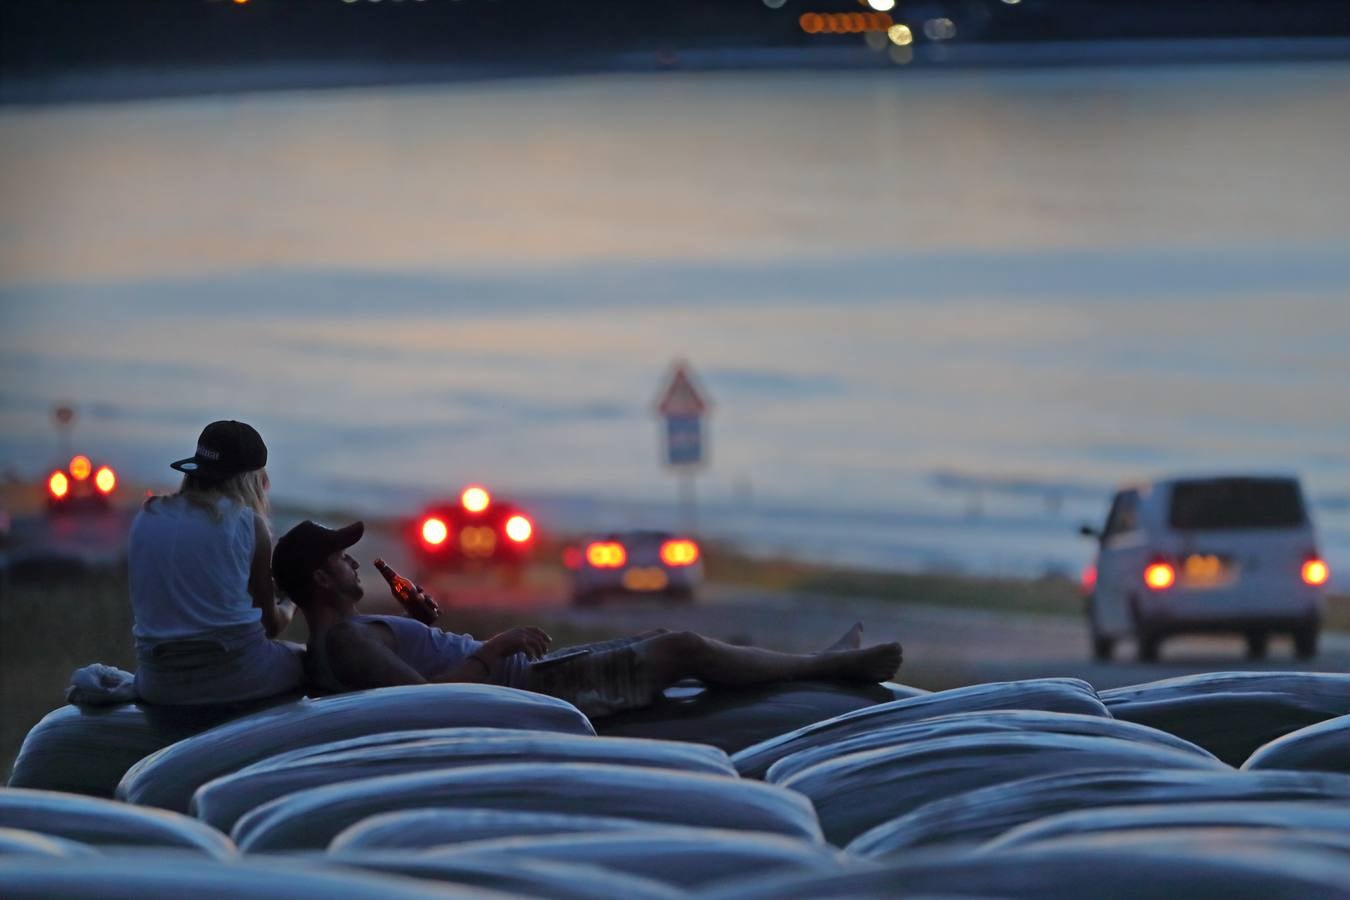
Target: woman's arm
x=276 y=614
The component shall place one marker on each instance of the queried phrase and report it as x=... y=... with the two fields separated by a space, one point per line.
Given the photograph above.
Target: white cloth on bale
x=100 y=685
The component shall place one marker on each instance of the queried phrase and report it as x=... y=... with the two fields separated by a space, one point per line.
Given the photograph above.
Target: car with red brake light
x=82 y=484
x=633 y=563
x=477 y=530
x=1234 y=553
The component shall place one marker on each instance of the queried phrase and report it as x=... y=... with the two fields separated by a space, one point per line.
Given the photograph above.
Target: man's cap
x=303 y=549
x=225 y=448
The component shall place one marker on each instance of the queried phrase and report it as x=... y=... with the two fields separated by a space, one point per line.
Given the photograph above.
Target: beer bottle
x=406 y=592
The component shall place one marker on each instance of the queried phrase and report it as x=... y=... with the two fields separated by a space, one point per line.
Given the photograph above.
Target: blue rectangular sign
x=684 y=440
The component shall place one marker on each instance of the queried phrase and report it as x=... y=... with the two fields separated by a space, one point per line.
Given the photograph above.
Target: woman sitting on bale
x=201 y=584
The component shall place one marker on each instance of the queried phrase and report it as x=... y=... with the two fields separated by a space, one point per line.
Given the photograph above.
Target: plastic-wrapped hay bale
x=977 y=816
x=1230 y=838
x=687 y=858
x=983 y=722
x=311 y=819
x=169 y=777
x=523 y=877
x=857 y=792
x=92 y=820
x=1151 y=819
x=1069 y=695
x=1238 y=871
x=1231 y=714
x=21 y=842
x=1324 y=747
x=423 y=828
x=87 y=750
x=734 y=718
x=223 y=800
x=97 y=878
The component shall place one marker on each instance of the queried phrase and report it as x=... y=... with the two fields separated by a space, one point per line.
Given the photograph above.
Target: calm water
x=890 y=283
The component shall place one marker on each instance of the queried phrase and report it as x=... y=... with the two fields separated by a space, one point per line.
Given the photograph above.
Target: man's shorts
x=612 y=678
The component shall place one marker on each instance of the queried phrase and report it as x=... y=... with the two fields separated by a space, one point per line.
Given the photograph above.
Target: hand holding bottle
x=416 y=601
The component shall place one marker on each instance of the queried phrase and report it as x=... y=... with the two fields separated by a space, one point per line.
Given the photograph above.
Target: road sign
x=682 y=406
x=684 y=440
x=681 y=397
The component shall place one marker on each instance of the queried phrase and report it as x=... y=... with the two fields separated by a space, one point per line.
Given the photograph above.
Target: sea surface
x=938 y=315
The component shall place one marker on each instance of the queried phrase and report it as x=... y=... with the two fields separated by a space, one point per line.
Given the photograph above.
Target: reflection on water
x=1074 y=277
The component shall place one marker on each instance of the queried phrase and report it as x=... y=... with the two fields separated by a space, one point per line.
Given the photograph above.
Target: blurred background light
x=940 y=29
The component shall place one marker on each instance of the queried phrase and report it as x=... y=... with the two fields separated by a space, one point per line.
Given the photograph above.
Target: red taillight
x=105 y=479
x=519 y=529
x=475 y=499
x=1315 y=572
x=1089 y=579
x=80 y=467
x=571 y=558
x=606 y=555
x=58 y=484
x=434 y=531
x=679 y=553
x=1159 y=575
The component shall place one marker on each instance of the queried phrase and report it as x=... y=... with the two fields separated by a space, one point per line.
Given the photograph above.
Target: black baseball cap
x=225 y=448
x=303 y=549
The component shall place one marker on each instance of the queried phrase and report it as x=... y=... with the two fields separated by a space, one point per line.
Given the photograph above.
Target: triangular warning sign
x=681 y=397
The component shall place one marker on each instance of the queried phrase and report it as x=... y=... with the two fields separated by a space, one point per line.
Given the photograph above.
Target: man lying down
x=351 y=651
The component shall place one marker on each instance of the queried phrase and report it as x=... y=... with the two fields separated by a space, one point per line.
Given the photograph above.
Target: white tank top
x=430 y=651
x=189 y=571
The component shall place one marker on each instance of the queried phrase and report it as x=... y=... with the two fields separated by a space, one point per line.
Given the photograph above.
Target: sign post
x=682 y=407
x=63 y=415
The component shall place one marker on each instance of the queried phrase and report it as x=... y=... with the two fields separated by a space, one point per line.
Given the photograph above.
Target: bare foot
x=850 y=640
x=873 y=665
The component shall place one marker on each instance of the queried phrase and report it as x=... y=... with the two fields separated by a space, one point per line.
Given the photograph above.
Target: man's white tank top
x=189 y=571
x=430 y=651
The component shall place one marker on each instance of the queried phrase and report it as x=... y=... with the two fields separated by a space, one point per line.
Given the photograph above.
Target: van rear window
x=1236 y=503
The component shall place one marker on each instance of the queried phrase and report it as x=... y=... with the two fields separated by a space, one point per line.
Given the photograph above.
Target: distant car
x=1227 y=554
x=629 y=563
x=81 y=485
x=475 y=531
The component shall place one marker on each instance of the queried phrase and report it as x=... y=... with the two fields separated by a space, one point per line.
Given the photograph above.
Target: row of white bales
x=1227 y=784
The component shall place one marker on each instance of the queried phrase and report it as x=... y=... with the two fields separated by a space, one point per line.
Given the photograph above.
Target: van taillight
x=1089 y=578
x=1315 y=572
x=1159 y=575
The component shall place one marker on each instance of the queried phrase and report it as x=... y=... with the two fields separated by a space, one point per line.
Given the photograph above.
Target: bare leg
x=684 y=654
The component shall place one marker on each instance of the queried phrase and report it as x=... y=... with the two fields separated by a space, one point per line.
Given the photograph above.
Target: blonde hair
x=243 y=488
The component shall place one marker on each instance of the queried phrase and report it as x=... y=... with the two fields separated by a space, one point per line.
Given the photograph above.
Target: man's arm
x=360 y=660
x=533 y=642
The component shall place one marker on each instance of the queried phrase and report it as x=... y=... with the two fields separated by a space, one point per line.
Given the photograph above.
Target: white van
x=1221 y=553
